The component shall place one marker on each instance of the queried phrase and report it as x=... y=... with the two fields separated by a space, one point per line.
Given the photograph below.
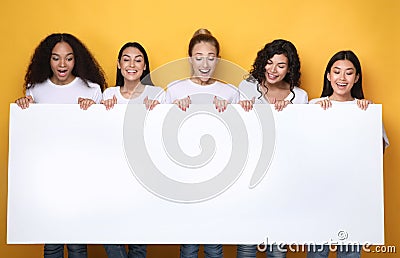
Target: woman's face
x=276 y=69
x=62 y=62
x=131 y=64
x=342 y=77
x=204 y=59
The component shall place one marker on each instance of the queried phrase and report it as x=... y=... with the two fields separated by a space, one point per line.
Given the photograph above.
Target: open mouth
x=204 y=71
x=341 y=84
x=131 y=71
x=62 y=72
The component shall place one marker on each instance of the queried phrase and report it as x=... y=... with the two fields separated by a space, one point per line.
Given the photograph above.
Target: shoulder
x=248 y=89
x=111 y=90
x=178 y=82
x=300 y=91
x=225 y=85
x=153 y=91
x=153 y=88
x=45 y=83
x=300 y=96
x=93 y=85
x=80 y=82
x=313 y=101
x=247 y=84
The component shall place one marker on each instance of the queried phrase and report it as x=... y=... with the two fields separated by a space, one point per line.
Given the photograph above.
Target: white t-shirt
x=385 y=138
x=205 y=93
x=152 y=92
x=248 y=90
x=49 y=93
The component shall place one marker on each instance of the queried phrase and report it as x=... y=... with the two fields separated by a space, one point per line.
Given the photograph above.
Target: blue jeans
x=250 y=251
x=192 y=250
x=119 y=251
x=343 y=251
x=57 y=251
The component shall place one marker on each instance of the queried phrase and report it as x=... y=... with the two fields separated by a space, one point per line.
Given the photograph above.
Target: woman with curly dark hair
x=275 y=77
x=62 y=70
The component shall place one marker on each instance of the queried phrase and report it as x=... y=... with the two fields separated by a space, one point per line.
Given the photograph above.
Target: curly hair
x=277 y=47
x=356 y=91
x=145 y=78
x=86 y=67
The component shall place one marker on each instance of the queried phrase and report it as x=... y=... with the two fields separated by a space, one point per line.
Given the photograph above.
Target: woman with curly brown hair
x=274 y=79
x=63 y=71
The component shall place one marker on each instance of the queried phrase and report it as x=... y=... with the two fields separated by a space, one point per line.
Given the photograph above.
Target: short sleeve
x=168 y=96
x=246 y=90
x=236 y=97
x=385 y=138
x=29 y=93
x=97 y=96
x=108 y=93
x=305 y=98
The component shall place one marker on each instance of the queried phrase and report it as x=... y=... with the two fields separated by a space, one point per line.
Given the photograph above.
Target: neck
x=276 y=87
x=282 y=85
x=132 y=86
x=54 y=80
x=341 y=98
x=202 y=83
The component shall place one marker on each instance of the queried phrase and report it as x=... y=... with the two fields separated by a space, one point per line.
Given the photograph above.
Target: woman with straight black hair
x=133 y=81
x=342 y=85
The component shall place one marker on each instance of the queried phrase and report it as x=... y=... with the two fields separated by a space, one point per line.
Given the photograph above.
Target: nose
x=205 y=63
x=273 y=68
x=62 y=64
x=132 y=63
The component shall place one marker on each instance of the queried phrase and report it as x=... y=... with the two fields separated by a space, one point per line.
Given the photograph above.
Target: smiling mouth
x=341 y=84
x=131 y=71
x=204 y=71
x=271 y=76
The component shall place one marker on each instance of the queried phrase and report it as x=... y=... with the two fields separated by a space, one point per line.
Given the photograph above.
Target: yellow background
x=317 y=28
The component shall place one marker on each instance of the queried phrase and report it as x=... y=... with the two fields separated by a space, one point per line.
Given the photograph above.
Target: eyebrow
x=201 y=54
x=350 y=68
x=55 y=54
x=133 y=57
x=285 y=63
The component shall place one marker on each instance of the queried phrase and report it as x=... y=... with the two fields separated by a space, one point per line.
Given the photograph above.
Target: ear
x=328 y=75
x=190 y=60
x=357 y=77
x=119 y=67
x=145 y=67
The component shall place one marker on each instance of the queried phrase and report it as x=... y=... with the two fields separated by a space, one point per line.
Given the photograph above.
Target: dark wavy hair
x=277 y=47
x=203 y=35
x=356 y=91
x=86 y=67
x=145 y=78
